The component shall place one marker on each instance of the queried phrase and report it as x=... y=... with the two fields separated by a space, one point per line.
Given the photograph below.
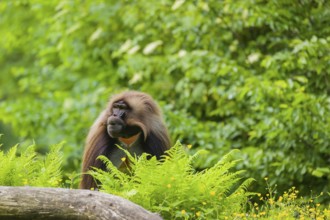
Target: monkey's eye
x=120 y=106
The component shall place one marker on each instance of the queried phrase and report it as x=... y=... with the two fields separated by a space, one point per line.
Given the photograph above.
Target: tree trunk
x=58 y=203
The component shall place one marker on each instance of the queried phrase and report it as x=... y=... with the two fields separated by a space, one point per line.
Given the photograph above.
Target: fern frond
x=171 y=184
x=50 y=167
x=27 y=168
x=113 y=169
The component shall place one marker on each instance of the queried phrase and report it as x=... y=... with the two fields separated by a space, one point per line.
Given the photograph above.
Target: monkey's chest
x=119 y=158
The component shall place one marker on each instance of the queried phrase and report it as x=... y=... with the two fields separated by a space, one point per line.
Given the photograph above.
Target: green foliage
x=29 y=169
x=289 y=206
x=174 y=189
x=171 y=187
x=244 y=74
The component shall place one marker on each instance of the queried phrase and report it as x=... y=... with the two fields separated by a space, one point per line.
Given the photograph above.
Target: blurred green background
x=252 y=75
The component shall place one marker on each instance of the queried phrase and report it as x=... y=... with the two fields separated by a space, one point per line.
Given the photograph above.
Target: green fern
x=174 y=189
x=27 y=168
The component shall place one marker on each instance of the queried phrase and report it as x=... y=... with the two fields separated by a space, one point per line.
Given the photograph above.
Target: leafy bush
x=249 y=75
x=174 y=189
x=29 y=169
x=171 y=187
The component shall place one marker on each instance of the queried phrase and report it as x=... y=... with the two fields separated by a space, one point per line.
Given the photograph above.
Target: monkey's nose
x=115 y=121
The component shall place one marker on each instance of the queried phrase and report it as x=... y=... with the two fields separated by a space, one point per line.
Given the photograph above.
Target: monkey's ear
x=157 y=144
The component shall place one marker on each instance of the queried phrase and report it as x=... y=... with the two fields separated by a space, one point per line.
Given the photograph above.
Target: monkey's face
x=116 y=123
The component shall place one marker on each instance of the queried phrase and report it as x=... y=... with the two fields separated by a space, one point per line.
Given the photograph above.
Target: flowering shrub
x=289 y=205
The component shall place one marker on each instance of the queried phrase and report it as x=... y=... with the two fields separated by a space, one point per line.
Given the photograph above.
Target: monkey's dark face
x=116 y=123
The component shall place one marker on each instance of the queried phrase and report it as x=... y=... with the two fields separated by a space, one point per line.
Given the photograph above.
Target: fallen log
x=58 y=203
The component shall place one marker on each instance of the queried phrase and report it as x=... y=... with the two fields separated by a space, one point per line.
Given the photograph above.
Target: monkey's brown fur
x=144 y=113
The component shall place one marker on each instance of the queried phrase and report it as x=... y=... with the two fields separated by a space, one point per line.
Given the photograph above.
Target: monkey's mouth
x=114 y=130
x=115 y=126
x=120 y=130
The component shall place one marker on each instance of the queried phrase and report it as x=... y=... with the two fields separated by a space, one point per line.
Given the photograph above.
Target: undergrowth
x=27 y=168
x=172 y=188
x=289 y=206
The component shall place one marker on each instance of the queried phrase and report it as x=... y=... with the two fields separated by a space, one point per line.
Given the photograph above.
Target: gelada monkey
x=132 y=120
